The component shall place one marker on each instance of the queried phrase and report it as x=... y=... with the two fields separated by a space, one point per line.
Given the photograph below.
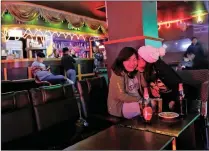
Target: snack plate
x=168 y=115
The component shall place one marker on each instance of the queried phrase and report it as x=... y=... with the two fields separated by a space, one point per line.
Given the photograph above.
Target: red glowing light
x=178 y=20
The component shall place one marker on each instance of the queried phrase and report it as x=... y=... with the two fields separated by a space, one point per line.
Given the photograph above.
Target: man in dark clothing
x=67 y=62
x=196 y=48
x=200 y=61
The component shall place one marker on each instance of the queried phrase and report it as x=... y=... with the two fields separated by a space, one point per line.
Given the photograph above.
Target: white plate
x=168 y=115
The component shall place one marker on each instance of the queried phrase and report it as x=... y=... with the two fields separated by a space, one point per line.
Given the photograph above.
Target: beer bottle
x=147 y=110
x=182 y=101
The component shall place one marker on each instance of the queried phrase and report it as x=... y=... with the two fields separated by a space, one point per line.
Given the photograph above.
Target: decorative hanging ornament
x=183 y=26
x=168 y=25
x=179 y=22
x=199 y=19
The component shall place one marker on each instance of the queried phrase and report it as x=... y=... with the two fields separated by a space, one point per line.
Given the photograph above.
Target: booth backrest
x=94 y=94
x=54 y=105
x=194 y=77
x=16 y=118
x=18 y=85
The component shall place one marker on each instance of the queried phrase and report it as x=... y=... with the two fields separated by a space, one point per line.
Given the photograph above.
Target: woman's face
x=130 y=64
x=141 y=63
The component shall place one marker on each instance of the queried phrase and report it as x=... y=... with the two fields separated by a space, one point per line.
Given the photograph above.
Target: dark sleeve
x=166 y=73
x=72 y=59
x=96 y=56
x=201 y=50
x=188 y=49
x=62 y=63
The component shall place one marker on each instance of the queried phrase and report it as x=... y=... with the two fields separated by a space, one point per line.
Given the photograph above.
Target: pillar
x=132 y=24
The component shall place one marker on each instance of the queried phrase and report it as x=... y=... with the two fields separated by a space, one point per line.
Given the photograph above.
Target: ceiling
x=85 y=8
x=96 y=9
x=162 y=5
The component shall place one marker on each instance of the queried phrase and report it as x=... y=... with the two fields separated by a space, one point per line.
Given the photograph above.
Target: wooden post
x=5 y=74
x=49 y=69
x=65 y=74
x=90 y=51
x=79 y=72
x=29 y=73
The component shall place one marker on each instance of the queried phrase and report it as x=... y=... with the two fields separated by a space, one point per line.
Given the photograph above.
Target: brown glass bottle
x=182 y=101
x=146 y=109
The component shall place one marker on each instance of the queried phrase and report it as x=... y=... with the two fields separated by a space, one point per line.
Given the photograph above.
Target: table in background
x=170 y=128
x=120 y=138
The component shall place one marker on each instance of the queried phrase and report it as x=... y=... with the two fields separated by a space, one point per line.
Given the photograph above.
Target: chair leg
x=206 y=139
x=204 y=131
x=206 y=134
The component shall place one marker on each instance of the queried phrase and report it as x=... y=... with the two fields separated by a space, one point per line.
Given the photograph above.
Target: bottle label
x=147 y=113
x=181 y=87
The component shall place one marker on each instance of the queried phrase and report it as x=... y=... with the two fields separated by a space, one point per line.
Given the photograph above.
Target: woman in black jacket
x=161 y=79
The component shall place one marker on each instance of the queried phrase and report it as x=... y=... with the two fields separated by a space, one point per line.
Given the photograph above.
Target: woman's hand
x=155 y=92
x=171 y=105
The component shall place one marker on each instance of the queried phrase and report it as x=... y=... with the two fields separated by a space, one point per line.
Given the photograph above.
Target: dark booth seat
x=18 y=85
x=199 y=79
x=56 y=113
x=46 y=120
x=17 y=122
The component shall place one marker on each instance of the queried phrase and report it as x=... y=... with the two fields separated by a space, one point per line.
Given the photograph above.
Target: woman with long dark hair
x=123 y=97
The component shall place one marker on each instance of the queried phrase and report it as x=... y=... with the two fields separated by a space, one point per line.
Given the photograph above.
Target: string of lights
x=181 y=22
x=34 y=33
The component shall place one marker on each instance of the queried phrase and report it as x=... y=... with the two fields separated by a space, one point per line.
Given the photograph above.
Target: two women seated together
x=132 y=71
x=42 y=73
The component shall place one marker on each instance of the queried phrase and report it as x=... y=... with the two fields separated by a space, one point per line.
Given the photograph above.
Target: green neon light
x=8 y=19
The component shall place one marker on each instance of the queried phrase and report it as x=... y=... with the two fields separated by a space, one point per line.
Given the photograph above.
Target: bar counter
x=21 y=68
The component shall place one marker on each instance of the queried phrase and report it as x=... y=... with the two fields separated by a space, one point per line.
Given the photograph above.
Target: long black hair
x=124 y=55
x=148 y=72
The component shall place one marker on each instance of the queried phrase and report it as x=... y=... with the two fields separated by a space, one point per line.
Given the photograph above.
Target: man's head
x=189 y=55
x=40 y=57
x=194 y=40
x=65 y=50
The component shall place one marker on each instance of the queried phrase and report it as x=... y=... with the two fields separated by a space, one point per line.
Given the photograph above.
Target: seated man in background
x=187 y=62
x=42 y=73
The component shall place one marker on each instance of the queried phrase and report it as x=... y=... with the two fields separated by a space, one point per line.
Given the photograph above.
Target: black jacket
x=68 y=62
x=196 y=49
x=166 y=74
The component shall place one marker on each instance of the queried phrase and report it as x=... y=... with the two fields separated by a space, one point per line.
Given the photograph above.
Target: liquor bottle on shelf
x=146 y=109
x=182 y=101
x=87 y=45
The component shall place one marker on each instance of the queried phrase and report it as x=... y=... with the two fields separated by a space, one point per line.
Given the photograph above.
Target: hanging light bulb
x=183 y=26
x=199 y=19
x=179 y=22
x=168 y=25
